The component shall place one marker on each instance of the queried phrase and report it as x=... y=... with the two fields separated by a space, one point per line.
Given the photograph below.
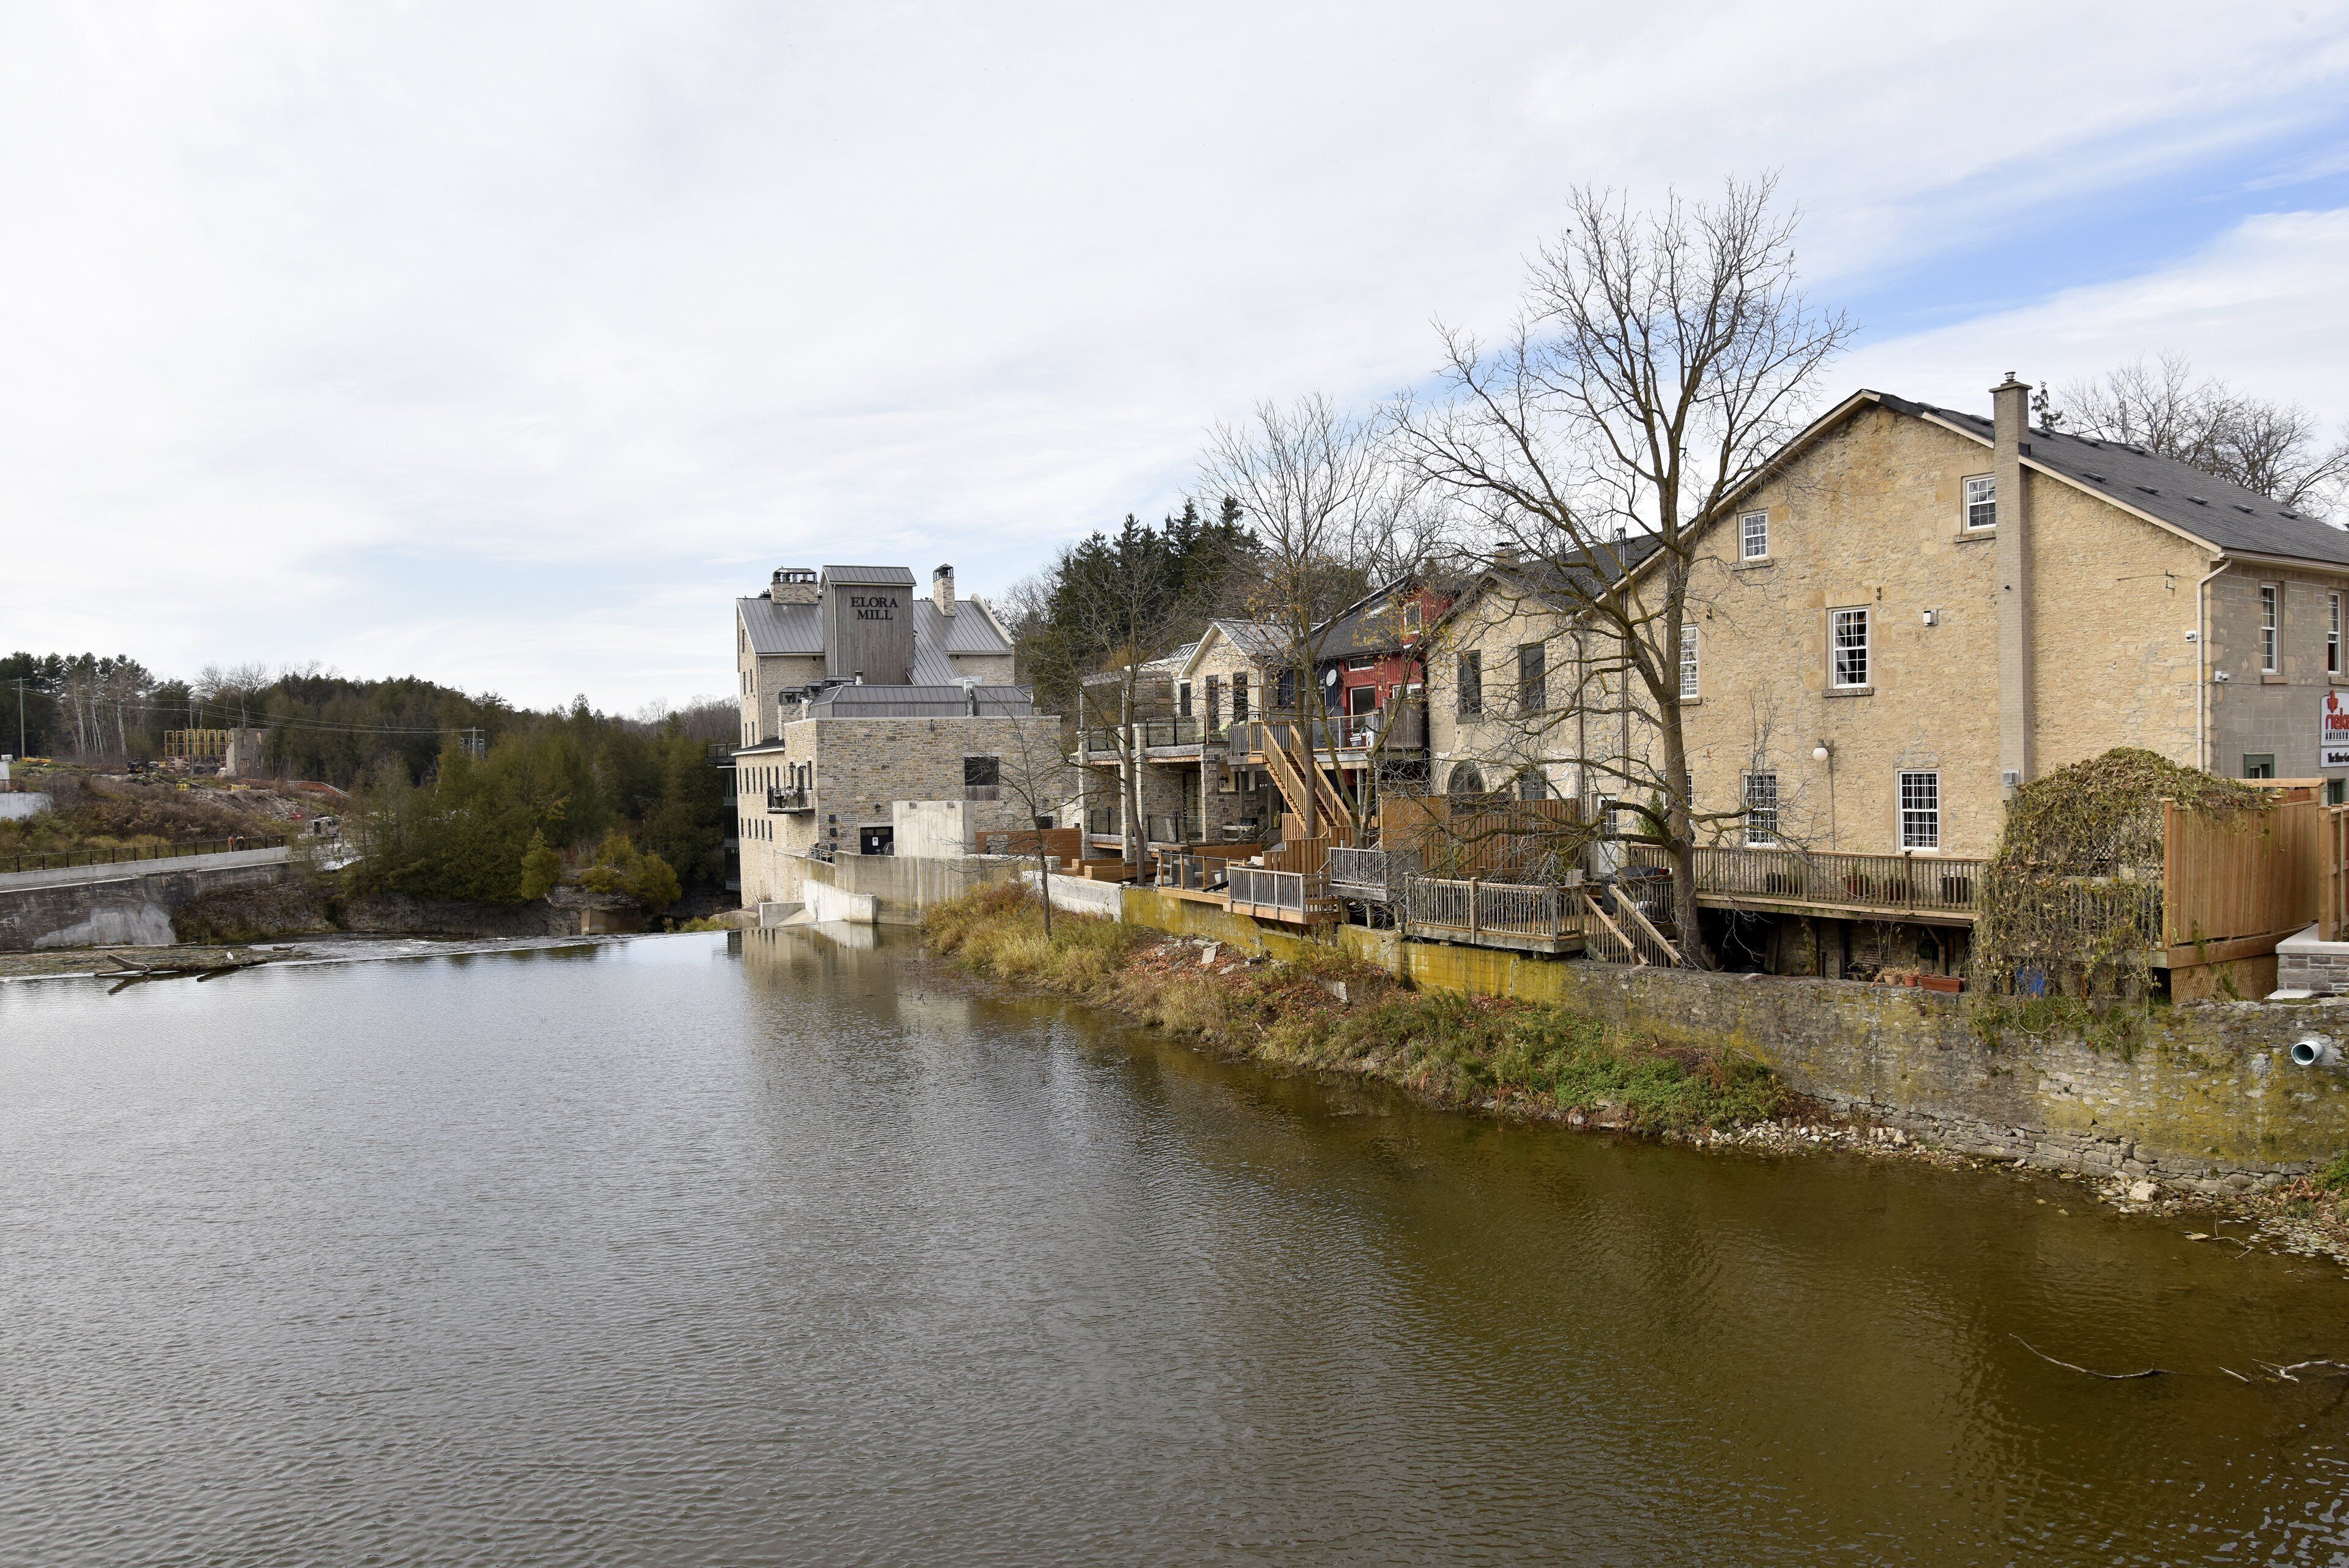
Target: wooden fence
x=1526 y=840
x=2235 y=877
x=2333 y=873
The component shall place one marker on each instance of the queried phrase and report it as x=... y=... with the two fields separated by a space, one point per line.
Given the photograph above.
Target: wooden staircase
x=1329 y=807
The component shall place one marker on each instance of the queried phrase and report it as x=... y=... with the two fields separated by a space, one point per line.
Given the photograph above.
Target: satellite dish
x=1329 y=678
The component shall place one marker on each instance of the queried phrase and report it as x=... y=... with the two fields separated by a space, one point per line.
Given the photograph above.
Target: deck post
x=1473 y=927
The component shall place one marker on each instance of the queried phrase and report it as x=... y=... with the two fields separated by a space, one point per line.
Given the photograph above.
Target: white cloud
x=2264 y=306
x=503 y=344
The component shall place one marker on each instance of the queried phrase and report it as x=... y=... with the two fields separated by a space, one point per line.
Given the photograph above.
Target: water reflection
x=778 y=1248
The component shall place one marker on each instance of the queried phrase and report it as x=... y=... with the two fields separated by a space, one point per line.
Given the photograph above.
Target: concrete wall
x=122 y=904
x=826 y=902
x=2208 y=1099
x=20 y=805
x=1080 y=897
x=931 y=829
x=901 y=887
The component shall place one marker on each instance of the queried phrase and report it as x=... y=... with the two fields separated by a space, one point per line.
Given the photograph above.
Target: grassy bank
x=1337 y=1015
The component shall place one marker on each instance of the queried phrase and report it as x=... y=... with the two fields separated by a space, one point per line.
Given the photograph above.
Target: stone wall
x=2208 y=1099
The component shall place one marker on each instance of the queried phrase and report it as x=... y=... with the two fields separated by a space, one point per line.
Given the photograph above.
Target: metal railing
x=1474 y=909
x=783 y=798
x=1929 y=883
x=1101 y=819
x=1376 y=876
x=1296 y=896
x=1171 y=829
x=1151 y=735
x=59 y=860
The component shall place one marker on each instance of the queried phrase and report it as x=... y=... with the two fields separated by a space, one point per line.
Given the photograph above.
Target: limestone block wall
x=1871 y=518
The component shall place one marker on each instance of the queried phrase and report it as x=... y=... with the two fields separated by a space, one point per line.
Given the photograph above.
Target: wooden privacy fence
x=1310 y=855
x=2239 y=876
x=1068 y=843
x=1527 y=840
x=2333 y=873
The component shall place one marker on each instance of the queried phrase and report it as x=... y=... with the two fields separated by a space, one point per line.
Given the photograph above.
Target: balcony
x=783 y=798
x=1933 y=889
x=1156 y=736
x=1170 y=829
x=1289 y=897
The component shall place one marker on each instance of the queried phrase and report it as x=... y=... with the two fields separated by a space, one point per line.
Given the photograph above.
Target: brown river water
x=673 y=1251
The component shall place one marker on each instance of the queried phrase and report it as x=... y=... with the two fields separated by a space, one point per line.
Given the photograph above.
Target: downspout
x=2203 y=672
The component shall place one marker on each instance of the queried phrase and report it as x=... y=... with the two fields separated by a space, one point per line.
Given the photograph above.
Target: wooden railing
x=1895 y=884
x=1296 y=897
x=1474 y=909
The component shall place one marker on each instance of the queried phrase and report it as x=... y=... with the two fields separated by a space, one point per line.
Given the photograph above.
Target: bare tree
x=2271 y=447
x=1333 y=515
x=1658 y=360
x=1034 y=773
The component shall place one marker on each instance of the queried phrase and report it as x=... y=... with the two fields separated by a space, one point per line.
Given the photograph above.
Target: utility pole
x=20 y=716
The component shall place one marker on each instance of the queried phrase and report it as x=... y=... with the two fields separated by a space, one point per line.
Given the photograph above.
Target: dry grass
x=1333 y=1014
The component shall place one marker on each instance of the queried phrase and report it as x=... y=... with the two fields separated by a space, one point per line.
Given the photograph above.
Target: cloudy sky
x=503 y=344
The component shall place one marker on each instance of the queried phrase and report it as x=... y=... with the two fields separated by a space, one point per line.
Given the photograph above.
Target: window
x=1183 y=699
x=1361 y=660
x=1239 y=697
x=2271 y=624
x=1982 y=501
x=1410 y=621
x=1531 y=680
x=1753 y=536
x=2333 y=634
x=1532 y=786
x=1849 y=646
x=1472 y=684
x=1761 y=810
x=1688 y=663
x=982 y=770
x=1921 y=811
x=2337 y=792
x=2259 y=765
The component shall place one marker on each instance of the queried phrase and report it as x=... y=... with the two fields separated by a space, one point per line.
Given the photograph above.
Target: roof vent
x=2197 y=501
x=2245 y=510
x=2148 y=489
x=2094 y=478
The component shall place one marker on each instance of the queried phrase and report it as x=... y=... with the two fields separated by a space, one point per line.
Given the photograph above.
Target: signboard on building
x=2332 y=731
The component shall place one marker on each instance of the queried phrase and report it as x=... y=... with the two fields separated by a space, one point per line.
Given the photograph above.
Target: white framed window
x=1688 y=662
x=2333 y=634
x=1982 y=501
x=1761 y=810
x=1753 y=536
x=1921 y=811
x=1847 y=646
x=2271 y=625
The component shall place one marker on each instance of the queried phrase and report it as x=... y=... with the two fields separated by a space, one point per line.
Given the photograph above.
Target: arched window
x=1466 y=778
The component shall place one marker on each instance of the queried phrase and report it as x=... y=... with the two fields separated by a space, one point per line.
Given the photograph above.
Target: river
x=670 y=1250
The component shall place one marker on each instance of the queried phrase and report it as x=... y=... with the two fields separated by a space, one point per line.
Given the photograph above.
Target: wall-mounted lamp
x=1932 y=618
x=1821 y=751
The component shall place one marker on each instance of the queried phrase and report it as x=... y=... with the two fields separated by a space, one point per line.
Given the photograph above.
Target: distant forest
x=454 y=791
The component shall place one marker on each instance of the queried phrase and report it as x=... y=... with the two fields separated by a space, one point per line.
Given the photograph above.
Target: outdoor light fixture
x=1820 y=752
x=1932 y=618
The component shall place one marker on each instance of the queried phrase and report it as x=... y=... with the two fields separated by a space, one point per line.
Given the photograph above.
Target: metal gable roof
x=776 y=629
x=868 y=576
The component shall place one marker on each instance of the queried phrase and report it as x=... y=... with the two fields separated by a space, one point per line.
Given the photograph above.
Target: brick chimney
x=2009 y=444
x=793 y=585
x=941 y=589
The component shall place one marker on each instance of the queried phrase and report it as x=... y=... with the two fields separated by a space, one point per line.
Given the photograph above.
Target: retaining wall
x=903 y=886
x=125 y=905
x=2208 y=1099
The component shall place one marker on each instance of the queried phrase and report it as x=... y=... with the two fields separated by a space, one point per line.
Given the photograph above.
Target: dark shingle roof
x=2226 y=515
